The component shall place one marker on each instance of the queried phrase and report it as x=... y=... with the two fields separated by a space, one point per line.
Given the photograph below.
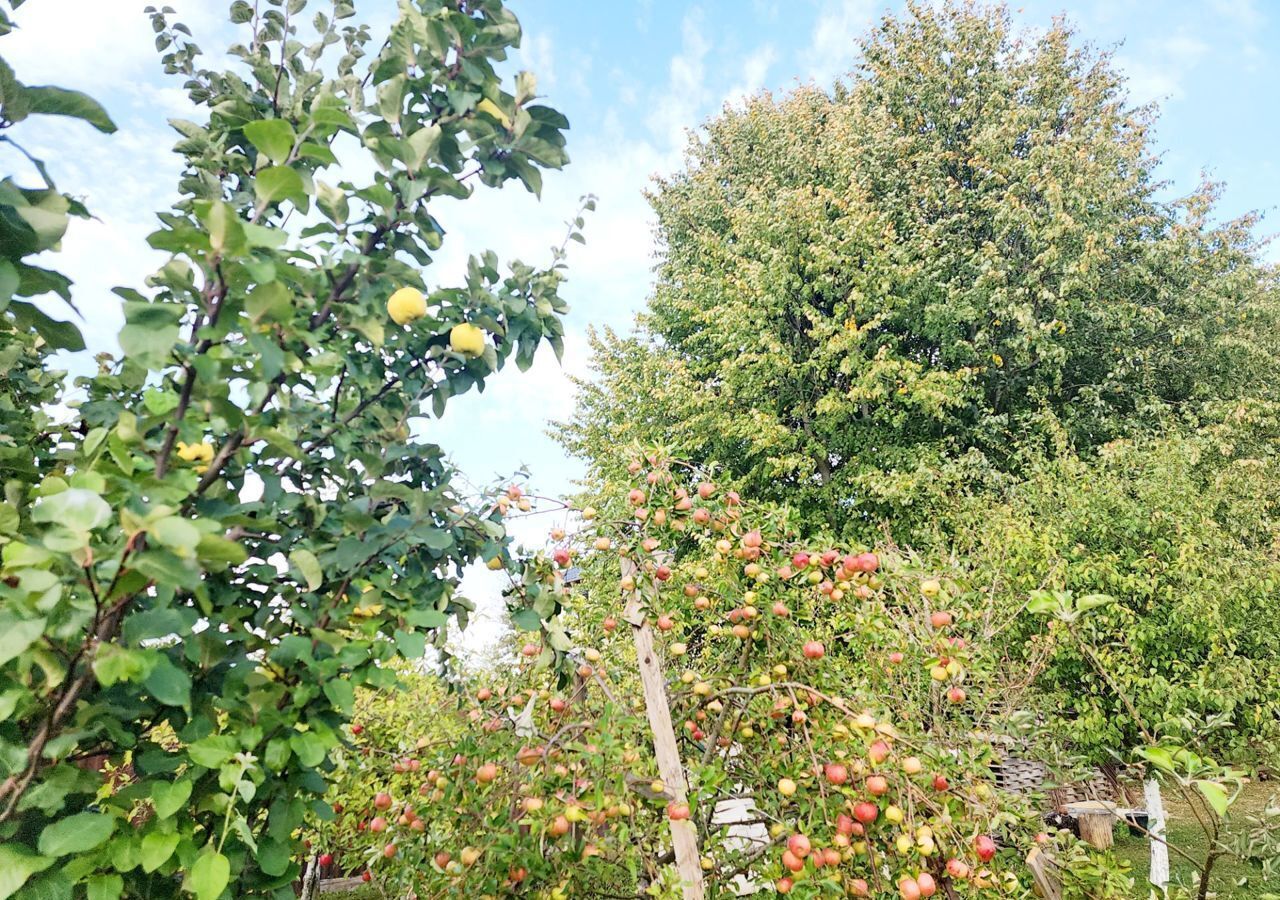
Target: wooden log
x=684 y=834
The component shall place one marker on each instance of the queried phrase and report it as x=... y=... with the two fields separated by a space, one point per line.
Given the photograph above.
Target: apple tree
x=233 y=524
x=729 y=702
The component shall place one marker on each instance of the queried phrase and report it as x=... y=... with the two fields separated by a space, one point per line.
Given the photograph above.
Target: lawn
x=1232 y=879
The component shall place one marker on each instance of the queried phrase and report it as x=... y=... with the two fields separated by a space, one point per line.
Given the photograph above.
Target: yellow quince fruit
x=466 y=339
x=406 y=305
x=201 y=453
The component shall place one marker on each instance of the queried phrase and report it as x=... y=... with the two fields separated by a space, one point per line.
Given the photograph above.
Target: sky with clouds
x=633 y=76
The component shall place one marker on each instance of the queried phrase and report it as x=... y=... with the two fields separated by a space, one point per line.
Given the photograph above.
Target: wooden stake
x=1155 y=825
x=684 y=834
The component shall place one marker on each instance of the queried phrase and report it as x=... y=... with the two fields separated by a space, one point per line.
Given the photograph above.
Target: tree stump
x=1096 y=821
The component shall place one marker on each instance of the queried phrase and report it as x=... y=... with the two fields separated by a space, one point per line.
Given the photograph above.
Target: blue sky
x=632 y=76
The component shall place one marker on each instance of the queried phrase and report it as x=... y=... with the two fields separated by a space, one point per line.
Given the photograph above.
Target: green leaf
x=76 y=834
x=212 y=751
x=176 y=533
x=169 y=684
x=16 y=635
x=169 y=797
x=58 y=335
x=156 y=849
x=1093 y=601
x=17 y=864
x=272 y=137
x=273 y=857
x=226 y=231
x=1158 y=757
x=105 y=887
x=269 y=302
x=341 y=693
x=114 y=664
x=332 y=202
x=9 y=701
x=526 y=619
x=209 y=876
x=1215 y=794
x=308 y=567
x=150 y=331
x=423 y=143
x=214 y=548
x=56 y=101
x=281 y=183
x=426 y=618
x=310 y=747
x=411 y=644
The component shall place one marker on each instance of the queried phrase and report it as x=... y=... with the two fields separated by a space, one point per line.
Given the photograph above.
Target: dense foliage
x=231 y=525
x=957 y=259
x=1183 y=532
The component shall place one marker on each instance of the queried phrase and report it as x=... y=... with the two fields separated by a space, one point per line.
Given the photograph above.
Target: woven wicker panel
x=1020 y=775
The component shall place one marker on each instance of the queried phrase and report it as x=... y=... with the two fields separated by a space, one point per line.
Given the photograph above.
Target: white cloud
x=538 y=55
x=686 y=94
x=1158 y=68
x=832 y=50
x=755 y=72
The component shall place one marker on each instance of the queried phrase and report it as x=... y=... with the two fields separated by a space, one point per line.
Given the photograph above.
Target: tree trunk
x=1097 y=828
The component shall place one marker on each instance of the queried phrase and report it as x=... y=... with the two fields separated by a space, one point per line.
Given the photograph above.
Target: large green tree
x=954 y=260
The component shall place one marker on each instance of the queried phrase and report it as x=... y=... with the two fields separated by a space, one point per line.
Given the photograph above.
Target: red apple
x=791 y=861
x=866 y=812
x=940 y=619
x=984 y=847
x=326 y=859
x=940 y=783
x=814 y=650
x=908 y=889
x=928 y=887
x=799 y=845
x=784 y=885
x=836 y=773
x=877 y=785
x=382 y=800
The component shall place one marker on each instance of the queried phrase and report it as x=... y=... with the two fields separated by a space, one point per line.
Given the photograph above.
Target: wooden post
x=684 y=834
x=1044 y=875
x=1155 y=825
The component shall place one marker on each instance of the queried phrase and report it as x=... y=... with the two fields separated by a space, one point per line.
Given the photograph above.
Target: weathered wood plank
x=684 y=834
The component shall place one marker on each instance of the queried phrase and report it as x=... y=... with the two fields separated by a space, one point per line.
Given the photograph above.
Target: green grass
x=1231 y=879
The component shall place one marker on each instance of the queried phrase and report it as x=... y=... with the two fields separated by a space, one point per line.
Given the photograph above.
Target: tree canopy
x=955 y=260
